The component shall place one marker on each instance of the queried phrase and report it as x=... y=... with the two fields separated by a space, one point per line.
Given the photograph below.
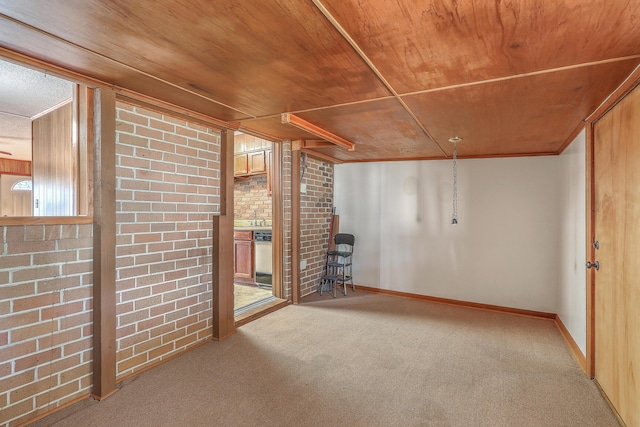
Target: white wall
x=505 y=250
x=572 y=291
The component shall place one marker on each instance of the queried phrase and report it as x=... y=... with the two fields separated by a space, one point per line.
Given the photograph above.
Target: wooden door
x=617 y=283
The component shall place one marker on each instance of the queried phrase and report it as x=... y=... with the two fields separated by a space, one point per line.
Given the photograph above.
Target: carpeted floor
x=363 y=360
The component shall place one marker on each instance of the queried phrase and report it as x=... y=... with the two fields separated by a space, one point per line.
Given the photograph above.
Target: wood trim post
x=104 y=244
x=277 y=220
x=295 y=226
x=222 y=274
x=590 y=221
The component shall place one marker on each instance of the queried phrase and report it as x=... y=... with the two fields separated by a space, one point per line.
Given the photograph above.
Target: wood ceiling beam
x=316 y=143
x=375 y=70
x=299 y=145
x=296 y=121
x=322 y=156
x=256 y=133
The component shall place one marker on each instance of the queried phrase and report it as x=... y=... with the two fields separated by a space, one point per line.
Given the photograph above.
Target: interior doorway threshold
x=255 y=310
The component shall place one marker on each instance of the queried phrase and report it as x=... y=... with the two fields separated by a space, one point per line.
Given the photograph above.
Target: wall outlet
x=303 y=264
x=303 y=188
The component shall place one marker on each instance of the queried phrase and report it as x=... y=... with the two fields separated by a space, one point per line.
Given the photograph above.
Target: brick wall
x=167 y=193
x=315 y=215
x=250 y=197
x=45 y=318
x=287 y=278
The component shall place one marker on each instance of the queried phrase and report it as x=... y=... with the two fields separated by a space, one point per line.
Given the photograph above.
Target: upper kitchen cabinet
x=251 y=155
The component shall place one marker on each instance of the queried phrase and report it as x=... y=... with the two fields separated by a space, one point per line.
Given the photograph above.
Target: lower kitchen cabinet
x=243 y=257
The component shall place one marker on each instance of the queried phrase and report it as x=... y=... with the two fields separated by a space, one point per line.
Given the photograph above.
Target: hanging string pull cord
x=454 y=216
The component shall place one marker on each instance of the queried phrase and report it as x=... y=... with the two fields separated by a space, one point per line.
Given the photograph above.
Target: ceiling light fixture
x=454 y=216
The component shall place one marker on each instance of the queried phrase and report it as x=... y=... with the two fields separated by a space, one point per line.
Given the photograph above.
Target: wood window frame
x=82 y=112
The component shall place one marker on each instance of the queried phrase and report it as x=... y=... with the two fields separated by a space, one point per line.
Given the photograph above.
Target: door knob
x=595 y=264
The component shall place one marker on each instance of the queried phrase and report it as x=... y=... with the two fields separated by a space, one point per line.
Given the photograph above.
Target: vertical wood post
x=104 y=244
x=591 y=228
x=223 y=316
x=295 y=226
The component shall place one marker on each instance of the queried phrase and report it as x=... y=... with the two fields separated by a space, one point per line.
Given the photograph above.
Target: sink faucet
x=255 y=217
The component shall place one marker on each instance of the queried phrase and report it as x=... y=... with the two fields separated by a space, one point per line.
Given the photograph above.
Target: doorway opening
x=257 y=285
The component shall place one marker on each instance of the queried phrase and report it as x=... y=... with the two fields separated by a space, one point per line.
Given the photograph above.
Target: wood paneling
x=380 y=129
x=516 y=78
x=617 y=228
x=104 y=245
x=238 y=45
x=420 y=45
x=528 y=115
x=84 y=118
x=73 y=61
x=15 y=167
x=223 y=320
x=55 y=159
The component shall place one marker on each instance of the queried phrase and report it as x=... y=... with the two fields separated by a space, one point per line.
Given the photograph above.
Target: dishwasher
x=263 y=257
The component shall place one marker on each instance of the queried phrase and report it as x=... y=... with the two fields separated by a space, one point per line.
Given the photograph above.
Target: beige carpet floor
x=363 y=360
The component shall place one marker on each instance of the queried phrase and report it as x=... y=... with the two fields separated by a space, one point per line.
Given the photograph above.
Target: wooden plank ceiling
x=397 y=78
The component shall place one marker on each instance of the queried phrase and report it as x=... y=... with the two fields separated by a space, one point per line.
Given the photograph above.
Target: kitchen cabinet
x=251 y=163
x=243 y=256
x=240 y=164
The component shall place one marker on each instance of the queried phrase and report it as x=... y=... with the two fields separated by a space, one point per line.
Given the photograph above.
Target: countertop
x=248 y=225
x=252 y=227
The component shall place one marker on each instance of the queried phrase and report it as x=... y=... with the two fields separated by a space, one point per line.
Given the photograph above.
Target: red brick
x=33 y=302
x=77 y=293
x=125 y=331
x=162 y=309
x=161 y=330
x=15 y=233
x=16 y=291
x=13 y=411
x=125 y=365
x=61 y=310
x=17 y=350
x=75 y=320
x=133 y=317
x=86 y=242
x=58 y=366
x=132 y=118
x=75 y=373
x=161 y=351
x=13 y=261
x=20 y=319
x=174 y=336
x=33 y=389
x=69 y=391
x=37 y=359
x=78 y=346
x=58 y=284
x=186 y=341
x=147 y=345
